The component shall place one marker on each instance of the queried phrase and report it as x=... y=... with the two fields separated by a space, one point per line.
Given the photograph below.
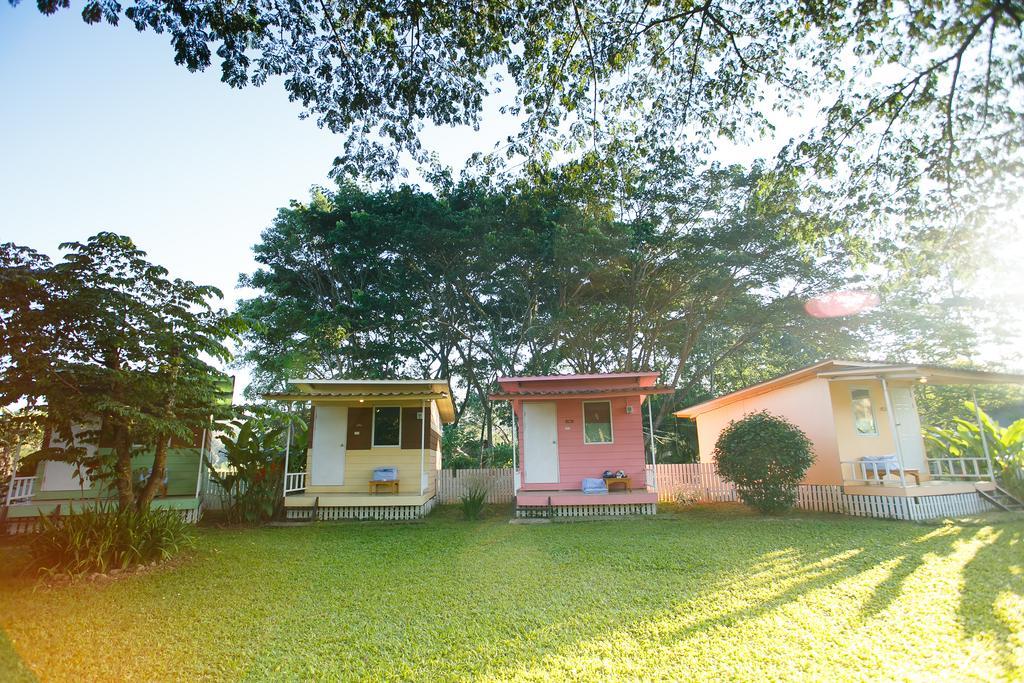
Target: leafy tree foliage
x=910 y=89
x=114 y=350
x=482 y=280
x=765 y=456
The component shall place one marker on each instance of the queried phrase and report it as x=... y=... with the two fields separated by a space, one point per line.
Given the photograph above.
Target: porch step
x=1003 y=499
x=285 y=520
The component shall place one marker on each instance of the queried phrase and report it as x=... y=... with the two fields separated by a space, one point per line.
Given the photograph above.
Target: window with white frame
x=387 y=427
x=597 y=421
x=863 y=413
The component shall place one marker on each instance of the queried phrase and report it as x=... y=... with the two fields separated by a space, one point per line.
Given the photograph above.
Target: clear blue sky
x=100 y=130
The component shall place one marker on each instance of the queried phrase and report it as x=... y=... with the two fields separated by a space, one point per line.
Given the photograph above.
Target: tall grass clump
x=97 y=540
x=474 y=496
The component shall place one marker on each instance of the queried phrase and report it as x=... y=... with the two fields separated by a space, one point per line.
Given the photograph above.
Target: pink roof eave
x=569 y=378
x=557 y=394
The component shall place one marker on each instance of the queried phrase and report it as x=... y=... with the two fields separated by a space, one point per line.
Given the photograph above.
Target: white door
x=908 y=428
x=540 y=443
x=327 y=467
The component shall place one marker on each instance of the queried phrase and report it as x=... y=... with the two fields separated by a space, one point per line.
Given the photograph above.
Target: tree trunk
x=156 y=475
x=123 y=469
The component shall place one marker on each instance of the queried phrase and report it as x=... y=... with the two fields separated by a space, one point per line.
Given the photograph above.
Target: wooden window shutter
x=360 y=429
x=412 y=427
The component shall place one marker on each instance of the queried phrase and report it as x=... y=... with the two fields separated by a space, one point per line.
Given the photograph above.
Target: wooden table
x=625 y=482
x=387 y=486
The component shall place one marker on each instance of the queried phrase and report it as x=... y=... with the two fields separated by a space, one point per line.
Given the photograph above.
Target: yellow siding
x=854 y=446
x=359 y=467
x=806 y=404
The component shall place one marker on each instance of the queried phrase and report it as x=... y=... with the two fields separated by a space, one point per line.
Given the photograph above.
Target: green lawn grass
x=707 y=594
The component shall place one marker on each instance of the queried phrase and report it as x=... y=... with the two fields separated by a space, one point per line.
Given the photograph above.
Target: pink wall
x=577 y=459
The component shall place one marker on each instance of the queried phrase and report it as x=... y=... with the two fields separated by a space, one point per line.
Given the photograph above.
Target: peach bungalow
x=573 y=429
x=863 y=421
x=375 y=447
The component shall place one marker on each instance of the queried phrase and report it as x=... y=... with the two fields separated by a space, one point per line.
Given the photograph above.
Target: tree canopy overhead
x=909 y=90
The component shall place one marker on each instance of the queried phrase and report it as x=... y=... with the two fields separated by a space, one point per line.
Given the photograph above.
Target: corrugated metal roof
x=565 y=393
x=596 y=375
x=357 y=394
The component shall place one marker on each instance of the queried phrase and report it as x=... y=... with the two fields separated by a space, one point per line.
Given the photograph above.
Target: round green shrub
x=765 y=456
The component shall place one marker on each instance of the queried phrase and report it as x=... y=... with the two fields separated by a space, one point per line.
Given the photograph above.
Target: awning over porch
x=844 y=370
x=924 y=374
x=370 y=391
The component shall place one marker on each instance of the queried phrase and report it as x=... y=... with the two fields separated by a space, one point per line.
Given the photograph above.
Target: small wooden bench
x=386 y=486
x=624 y=482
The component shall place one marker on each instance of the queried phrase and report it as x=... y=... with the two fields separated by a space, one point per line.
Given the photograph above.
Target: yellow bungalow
x=375 y=448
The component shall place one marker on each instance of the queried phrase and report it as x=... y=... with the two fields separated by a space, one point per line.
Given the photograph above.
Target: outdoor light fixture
x=922 y=380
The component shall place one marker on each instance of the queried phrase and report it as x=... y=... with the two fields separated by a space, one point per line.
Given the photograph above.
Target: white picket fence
x=452 y=484
x=700 y=482
x=700 y=479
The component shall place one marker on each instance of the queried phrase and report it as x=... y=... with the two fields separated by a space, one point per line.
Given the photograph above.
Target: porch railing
x=867 y=472
x=21 y=491
x=959 y=468
x=294 y=481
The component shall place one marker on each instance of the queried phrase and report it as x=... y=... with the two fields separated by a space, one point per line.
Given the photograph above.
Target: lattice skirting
x=27 y=525
x=622 y=510
x=21 y=525
x=367 y=512
x=194 y=515
x=919 y=508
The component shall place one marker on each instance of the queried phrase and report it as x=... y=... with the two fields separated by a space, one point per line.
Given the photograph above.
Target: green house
x=56 y=487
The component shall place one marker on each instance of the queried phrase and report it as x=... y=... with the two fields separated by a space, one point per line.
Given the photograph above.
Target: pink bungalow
x=572 y=430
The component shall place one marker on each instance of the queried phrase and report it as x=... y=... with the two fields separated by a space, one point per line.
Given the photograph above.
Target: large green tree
x=484 y=280
x=116 y=352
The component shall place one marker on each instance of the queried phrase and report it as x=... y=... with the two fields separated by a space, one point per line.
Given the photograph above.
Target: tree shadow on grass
x=992 y=597
x=938 y=543
x=771 y=578
x=12 y=668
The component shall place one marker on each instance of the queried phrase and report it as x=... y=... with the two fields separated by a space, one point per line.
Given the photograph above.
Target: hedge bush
x=765 y=456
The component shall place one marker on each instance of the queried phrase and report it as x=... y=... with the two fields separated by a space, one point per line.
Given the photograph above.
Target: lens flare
x=838 y=304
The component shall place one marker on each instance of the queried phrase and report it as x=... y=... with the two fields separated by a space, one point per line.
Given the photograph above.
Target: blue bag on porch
x=384 y=474
x=594 y=486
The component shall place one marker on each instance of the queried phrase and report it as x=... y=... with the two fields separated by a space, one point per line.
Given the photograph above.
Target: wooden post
x=654 y=457
x=14 y=473
x=515 y=459
x=984 y=439
x=202 y=463
x=895 y=431
x=423 y=437
x=287 y=450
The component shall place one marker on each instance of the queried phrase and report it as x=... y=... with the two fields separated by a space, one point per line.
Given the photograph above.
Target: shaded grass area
x=708 y=593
